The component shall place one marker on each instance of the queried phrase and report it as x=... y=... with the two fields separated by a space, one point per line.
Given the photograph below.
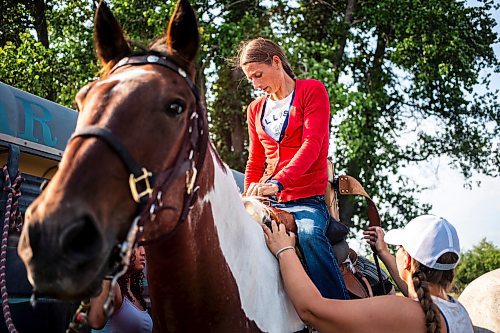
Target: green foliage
x=14 y=20
x=400 y=75
x=396 y=68
x=230 y=92
x=28 y=67
x=482 y=258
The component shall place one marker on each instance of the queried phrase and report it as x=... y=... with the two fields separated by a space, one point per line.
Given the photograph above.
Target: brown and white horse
x=142 y=122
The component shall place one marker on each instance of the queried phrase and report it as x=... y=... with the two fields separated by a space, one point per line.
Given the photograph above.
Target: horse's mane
x=256 y=208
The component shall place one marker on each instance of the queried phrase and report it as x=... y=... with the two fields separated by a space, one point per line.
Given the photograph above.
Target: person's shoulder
x=311 y=88
x=310 y=85
x=258 y=101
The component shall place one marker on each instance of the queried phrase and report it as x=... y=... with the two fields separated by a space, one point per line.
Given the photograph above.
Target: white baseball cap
x=426 y=238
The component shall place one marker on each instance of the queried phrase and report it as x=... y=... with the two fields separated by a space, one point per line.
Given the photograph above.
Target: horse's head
x=142 y=113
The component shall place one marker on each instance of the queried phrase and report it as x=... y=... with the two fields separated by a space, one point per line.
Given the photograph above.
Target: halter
x=189 y=160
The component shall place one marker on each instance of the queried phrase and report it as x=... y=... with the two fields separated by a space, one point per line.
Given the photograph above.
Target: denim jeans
x=312 y=218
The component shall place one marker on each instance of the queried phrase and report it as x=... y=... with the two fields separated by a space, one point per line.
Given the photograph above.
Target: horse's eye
x=176 y=108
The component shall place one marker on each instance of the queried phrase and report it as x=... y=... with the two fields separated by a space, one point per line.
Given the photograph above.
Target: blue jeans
x=312 y=218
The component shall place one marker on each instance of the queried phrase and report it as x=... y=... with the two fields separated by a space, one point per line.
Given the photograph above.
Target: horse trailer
x=33 y=135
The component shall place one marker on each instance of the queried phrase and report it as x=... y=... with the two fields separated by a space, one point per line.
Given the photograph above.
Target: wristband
x=282 y=250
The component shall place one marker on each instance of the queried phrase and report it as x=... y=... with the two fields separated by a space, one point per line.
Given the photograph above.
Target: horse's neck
x=222 y=268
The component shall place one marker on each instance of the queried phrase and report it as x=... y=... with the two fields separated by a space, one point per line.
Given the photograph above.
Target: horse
x=481 y=298
x=140 y=165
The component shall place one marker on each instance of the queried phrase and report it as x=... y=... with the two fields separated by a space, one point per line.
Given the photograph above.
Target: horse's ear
x=109 y=40
x=182 y=33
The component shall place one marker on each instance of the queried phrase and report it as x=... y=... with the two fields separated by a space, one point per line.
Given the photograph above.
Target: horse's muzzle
x=63 y=262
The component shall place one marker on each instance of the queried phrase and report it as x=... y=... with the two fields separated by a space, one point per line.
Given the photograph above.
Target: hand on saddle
x=375 y=237
x=262 y=189
x=277 y=238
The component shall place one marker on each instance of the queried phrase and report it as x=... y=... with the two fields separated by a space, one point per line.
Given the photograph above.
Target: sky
x=475 y=213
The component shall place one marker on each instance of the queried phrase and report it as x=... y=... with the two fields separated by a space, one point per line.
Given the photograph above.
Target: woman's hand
x=262 y=189
x=375 y=237
x=277 y=238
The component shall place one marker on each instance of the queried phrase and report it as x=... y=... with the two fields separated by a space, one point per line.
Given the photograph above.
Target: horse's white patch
x=254 y=268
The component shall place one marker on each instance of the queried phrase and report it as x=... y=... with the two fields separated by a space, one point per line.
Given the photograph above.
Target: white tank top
x=456 y=317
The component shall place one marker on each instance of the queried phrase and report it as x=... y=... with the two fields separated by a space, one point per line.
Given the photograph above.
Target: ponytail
x=431 y=312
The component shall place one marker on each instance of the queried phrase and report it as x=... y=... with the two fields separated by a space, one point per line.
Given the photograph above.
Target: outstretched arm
x=97 y=317
x=390 y=313
x=375 y=237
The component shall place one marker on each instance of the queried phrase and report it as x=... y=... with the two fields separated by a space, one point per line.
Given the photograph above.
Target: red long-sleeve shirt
x=298 y=162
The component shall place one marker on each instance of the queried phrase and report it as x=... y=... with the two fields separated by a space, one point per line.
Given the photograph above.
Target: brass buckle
x=133 y=185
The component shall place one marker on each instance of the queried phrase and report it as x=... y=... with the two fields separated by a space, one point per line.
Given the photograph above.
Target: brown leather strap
x=281 y=216
x=352 y=283
x=330 y=193
x=350 y=186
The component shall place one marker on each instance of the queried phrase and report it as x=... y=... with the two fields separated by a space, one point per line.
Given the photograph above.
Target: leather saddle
x=356 y=283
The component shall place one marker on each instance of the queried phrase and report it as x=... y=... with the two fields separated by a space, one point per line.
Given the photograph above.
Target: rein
x=189 y=161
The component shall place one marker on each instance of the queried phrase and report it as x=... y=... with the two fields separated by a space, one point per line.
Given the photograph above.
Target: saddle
x=358 y=284
x=355 y=269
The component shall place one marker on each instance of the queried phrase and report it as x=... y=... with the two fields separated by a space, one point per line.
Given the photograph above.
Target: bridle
x=146 y=187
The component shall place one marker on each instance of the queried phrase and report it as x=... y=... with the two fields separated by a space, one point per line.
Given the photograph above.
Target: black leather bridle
x=189 y=159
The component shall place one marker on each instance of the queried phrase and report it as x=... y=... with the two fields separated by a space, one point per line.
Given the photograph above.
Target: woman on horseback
x=427 y=255
x=288 y=148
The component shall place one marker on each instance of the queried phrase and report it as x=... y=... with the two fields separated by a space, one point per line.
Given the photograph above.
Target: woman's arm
x=97 y=317
x=375 y=237
x=378 y=314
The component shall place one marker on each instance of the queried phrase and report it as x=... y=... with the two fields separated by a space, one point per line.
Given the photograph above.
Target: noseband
x=145 y=186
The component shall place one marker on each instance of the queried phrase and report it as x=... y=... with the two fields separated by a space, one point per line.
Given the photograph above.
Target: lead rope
x=80 y=318
x=12 y=220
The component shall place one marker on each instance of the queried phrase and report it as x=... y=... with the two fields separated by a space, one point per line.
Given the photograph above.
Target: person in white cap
x=429 y=252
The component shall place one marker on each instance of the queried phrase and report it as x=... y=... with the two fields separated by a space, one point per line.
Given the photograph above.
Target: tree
x=231 y=92
x=482 y=258
x=401 y=76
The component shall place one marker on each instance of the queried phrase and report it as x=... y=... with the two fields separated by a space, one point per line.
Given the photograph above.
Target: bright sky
x=475 y=213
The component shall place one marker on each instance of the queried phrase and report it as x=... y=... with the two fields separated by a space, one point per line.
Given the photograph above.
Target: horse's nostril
x=80 y=235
